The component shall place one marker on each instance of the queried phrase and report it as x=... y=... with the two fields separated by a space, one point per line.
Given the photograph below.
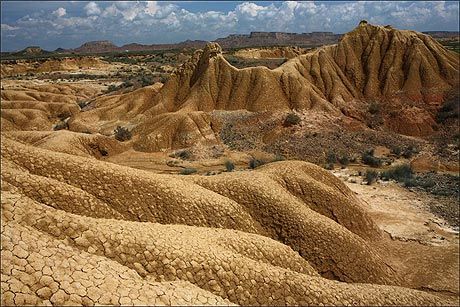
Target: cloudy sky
x=68 y=24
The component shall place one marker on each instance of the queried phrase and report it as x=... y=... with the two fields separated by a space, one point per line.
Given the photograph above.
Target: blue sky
x=68 y=24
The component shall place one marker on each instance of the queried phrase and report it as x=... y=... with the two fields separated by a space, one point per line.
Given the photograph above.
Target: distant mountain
x=31 y=51
x=443 y=34
x=253 y=39
x=96 y=47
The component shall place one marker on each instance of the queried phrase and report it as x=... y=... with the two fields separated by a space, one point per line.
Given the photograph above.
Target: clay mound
x=13 y=69
x=406 y=73
x=173 y=131
x=40 y=107
x=78 y=144
x=75 y=237
x=381 y=61
x=65 y=64
x=71 y=64
x=109 y=111
x=151 y=133
x=371 y=63
x=270 y=53
x=256 y=204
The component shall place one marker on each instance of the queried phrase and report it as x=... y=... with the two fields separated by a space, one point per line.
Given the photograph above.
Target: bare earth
x=92 y=216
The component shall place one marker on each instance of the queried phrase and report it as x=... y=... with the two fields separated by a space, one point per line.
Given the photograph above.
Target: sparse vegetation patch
x=122 y=134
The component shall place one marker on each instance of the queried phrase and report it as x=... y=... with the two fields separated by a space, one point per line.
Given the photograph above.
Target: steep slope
x=78 y=238
x=404 y=73
x=267 y=53
x=50 y=65
x=397 y=69
x=28 y=106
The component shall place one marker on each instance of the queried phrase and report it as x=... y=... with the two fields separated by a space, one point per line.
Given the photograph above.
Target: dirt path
x=424 y=248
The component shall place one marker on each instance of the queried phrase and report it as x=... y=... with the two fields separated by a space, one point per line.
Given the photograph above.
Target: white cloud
x=60 y=12
x=6 y=27
x=249 y=9
x=92 y=9
x=151 y=7
x=154 y=22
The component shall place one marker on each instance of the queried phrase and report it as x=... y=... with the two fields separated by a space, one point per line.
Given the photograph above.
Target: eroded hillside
x=50 y=212
x=96 y=207
x=401 y=76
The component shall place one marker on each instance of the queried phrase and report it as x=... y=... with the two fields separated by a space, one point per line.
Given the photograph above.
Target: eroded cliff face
x=404 y=73
x=370 y=62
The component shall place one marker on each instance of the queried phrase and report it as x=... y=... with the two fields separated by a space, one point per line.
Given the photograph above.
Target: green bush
x=188 y=171
x=344 y=160
x=229 y=166
x=374 y=108
x=253 y=163
x=183 y=154
x=409 y=152
x=450 y=109
x=111 y=88
x=291 y=120
x=371 y=176
x=369 y=159
x=122 y=134
x=61 y=126
x=397 y=151
x=400 y=173
x=331 y=157
x=82 y=104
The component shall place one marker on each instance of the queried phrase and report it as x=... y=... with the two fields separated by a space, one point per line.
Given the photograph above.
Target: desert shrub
x=146 y=80
x=291 y=120
x=229 y=166
x=61 y=126
x=369 y=159
x=329 y=166
x=125 y=84
x=331 y=157
x=344 y=160
x=253 y=163
x=62 y=116
x=374 y=108
x=163 y=79
x=188 y=171
x=122 y=134
x=371 y=176
x=183 y=154
x=82 y=104
x=409 y=152
x=450 y=109
x=111 y=88
x=397 y=151
x=400 y=173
